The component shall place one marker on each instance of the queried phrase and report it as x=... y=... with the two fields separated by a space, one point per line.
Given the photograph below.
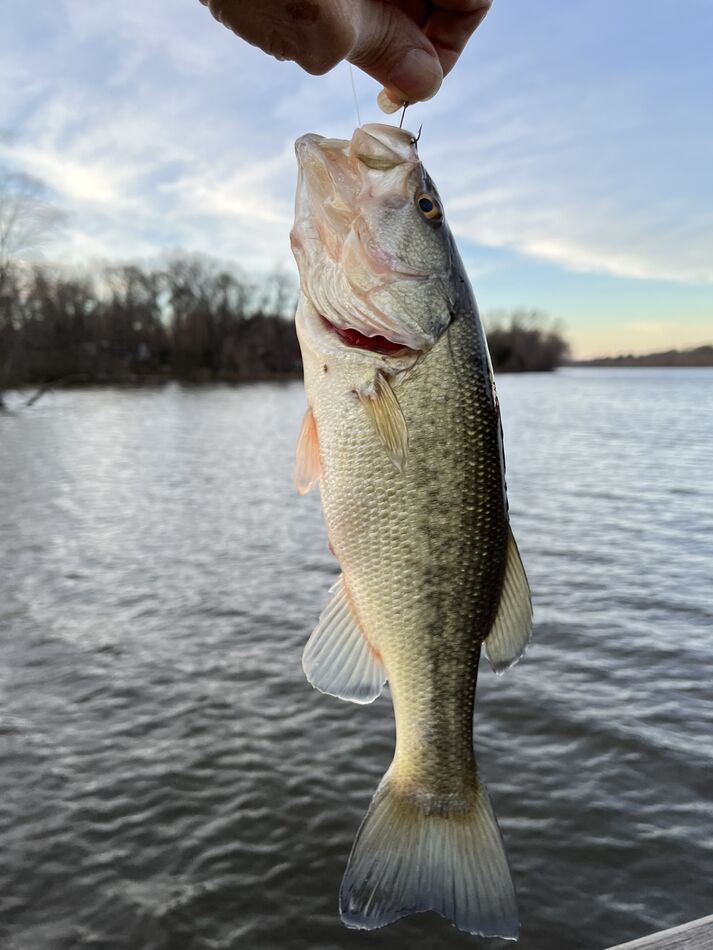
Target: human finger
x=451 y=24
x=393 y=49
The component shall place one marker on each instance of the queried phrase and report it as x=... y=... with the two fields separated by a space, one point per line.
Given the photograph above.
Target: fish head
x=370 y=240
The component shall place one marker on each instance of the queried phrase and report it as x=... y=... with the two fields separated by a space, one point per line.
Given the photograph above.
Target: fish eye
x=430 y=207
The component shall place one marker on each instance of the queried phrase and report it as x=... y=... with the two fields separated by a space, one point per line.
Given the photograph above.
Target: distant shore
x=700 y=356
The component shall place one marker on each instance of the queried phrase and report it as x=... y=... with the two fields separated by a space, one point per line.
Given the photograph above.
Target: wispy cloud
x=602 y=202
x=156 y=128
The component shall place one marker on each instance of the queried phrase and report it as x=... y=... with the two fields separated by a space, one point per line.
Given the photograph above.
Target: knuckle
x=321 y=50
x=279 y=47
x=317 y=62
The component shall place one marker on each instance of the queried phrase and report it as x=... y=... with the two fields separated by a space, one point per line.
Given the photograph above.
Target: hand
x=407 y=45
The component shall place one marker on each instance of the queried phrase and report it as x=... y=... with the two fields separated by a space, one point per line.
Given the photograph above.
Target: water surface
x=169 y=781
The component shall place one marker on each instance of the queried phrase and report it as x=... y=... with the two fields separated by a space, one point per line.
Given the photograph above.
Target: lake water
x=168 y=779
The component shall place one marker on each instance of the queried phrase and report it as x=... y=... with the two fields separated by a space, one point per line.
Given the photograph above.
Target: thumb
x=391 y=48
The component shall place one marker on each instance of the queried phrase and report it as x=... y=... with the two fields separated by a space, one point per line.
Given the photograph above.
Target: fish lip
x=369 y=141
x=311 y=144
x=356 y=340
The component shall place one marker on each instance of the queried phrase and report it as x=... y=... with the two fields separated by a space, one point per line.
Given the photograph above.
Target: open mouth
x=375 y=344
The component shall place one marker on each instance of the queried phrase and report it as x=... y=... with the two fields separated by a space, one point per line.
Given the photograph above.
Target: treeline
x=696 y=357
x=192 y=319
x=525 y=341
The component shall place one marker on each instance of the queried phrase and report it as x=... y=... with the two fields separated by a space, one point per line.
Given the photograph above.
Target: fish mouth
x=377 y=146
x=355 y=339
x=333 y=179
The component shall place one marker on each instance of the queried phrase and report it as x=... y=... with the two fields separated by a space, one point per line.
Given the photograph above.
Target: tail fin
x=412 y=856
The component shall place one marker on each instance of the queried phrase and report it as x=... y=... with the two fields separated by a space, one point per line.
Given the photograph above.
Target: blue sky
x=573 y=147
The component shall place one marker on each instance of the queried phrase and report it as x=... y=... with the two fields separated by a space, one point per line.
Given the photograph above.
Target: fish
x=403 y=435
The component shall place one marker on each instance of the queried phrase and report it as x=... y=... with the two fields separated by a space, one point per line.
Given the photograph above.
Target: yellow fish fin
x=308 y=466
x=385 y=414
x=338 y=659
x=511 y=632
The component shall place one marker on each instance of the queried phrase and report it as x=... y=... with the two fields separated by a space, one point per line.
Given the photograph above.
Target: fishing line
x=356 y=101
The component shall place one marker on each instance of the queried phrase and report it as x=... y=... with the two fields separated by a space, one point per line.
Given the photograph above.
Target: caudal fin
x=412 y=856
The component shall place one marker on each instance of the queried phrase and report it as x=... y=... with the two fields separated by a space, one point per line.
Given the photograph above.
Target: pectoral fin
x=338 y=659
x=308 y=467
x=511 y=632
x=385 y=414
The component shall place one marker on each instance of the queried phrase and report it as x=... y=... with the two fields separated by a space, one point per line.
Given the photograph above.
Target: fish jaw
x=323 y=344
x=355 y=238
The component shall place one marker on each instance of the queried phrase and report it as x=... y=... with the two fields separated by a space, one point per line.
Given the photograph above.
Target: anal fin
x=338 y=659
x=512 y=629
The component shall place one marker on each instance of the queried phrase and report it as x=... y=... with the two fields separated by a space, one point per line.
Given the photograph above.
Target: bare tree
x=26 y=218
x=26 y=221
x=276 y=295
x=525 y=341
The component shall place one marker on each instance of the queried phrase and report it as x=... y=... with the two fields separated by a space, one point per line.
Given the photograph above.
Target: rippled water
x=169 y=781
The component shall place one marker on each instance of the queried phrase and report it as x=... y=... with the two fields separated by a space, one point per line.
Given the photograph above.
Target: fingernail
x=387 y=104
x=417 y=75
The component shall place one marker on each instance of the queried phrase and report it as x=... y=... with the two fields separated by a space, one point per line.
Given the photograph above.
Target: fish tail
x=418 y=852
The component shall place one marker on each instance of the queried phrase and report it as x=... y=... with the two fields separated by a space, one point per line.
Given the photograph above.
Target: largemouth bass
x=403 y=432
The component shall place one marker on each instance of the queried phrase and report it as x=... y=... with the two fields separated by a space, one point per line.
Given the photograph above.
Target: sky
x=572 y=147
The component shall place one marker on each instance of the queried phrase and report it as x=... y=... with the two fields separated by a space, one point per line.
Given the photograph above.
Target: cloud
x=145 y=32
x=156 y=128
x=536 y=184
